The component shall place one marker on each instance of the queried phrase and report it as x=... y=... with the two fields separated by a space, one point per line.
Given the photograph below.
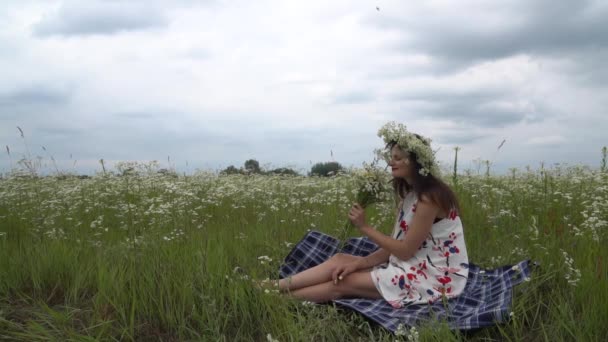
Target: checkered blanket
x=485 y=301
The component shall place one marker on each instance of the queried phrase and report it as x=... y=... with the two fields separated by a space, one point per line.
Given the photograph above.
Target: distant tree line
x=252 y=166
x=326 y=169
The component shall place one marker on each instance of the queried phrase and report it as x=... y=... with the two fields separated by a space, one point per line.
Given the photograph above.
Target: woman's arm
x=378 y=257
x=419 y=229
x=381 y=255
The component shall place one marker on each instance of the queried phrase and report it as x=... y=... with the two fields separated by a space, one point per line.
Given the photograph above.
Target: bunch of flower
x=372 y=184
x=410 y=142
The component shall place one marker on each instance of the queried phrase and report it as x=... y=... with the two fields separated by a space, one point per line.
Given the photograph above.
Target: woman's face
x=401 y=164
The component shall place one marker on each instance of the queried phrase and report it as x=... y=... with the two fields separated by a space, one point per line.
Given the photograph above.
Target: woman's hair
x=427 y=186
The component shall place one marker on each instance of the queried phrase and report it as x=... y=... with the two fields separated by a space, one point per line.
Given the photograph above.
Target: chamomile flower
x=393 y=132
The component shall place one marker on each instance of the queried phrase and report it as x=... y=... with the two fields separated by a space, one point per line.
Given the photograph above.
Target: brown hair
x=427 y=186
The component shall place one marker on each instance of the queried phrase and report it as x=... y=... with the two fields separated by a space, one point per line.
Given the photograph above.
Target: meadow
x=148 y=256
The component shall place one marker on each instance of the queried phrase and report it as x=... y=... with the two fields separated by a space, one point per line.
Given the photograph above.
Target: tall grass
x=149 y=256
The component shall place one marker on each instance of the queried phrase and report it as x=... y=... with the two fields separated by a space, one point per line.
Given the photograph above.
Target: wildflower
x=270 y=339
x=413 y=335
x=264 y=259
x=573 y=275
x=400 y=330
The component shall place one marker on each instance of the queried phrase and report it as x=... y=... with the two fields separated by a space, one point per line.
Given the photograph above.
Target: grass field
x=150 y=257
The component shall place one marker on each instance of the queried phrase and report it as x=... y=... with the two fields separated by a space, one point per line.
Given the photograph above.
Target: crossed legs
x=316 y=285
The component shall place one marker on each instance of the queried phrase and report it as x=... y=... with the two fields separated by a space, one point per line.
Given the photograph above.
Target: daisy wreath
x=410 y=142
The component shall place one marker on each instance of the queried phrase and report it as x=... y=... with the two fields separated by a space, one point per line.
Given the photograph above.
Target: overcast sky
x=289 y=83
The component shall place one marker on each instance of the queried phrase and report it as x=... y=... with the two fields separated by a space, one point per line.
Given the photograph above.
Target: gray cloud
x=33 y=95
x=541 y=27
x=136 y=115
x=56 y=131
x=587 y=67
x=28 y=100
x=451 y=95
x=87 y=18
x=459 y=137
x=198 y=53
x=354 y=97
x=484 y=114
x=481 y=108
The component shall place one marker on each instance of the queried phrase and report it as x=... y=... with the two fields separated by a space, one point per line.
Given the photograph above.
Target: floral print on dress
x=403 y=225
x=437 y=270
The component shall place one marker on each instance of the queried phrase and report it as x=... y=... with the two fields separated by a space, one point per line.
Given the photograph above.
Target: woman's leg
x=357 y=284
x=315 y=275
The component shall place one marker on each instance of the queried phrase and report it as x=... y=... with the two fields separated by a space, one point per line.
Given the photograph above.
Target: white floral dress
x=439 y=268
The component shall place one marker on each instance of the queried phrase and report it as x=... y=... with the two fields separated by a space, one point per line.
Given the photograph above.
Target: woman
x=424 y=260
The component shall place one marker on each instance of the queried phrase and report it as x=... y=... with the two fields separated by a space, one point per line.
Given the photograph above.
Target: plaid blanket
x=485 y=301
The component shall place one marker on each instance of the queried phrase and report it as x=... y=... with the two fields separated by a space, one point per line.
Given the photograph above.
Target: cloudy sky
x=207 y=84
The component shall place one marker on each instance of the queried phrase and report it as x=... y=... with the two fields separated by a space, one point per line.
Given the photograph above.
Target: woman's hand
x=341 y=271
x=356 y=215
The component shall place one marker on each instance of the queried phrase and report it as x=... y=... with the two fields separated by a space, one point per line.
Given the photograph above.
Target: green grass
x=150 y=257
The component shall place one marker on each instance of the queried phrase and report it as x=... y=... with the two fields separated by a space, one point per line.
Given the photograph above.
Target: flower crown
x=410 y=142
